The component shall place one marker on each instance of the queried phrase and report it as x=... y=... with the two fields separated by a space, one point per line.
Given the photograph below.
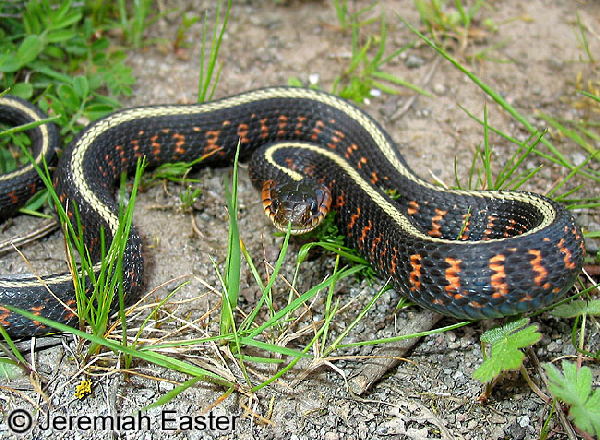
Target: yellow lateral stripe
x=45 y=137
x=374 y=194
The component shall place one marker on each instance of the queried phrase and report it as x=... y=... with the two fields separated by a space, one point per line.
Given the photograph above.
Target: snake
x=465 y=254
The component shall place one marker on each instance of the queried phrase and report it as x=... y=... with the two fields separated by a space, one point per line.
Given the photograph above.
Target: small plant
x=207 y=71
x=505 y=343
x=441 y=19
x=365 y=72
x=574 y=388
x=54 y=55
x=186 y=22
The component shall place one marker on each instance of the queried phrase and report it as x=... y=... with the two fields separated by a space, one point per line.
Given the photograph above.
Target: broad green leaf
x=575 y=389
x=22 y=90
x=9 y=370
x=505 y=354
x=68 y=97
x=60 y=36
x=81 y=87
x=29 y=49
x=497 y=333
x=577 y=308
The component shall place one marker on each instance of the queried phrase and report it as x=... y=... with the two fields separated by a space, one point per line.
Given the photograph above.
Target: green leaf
x=575 y=389
x=81 y=87
x=97 y=111
x=66 y=20
x=60 y=36
x=294 y=82
x=22 y=90
x=10 y=370
x=577 y=308
x=101 y=44
x=496 y=334
x=68 y=97
x=505 y=354
x=29 y=49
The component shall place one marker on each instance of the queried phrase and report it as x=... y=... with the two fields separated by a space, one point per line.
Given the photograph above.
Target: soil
x=532 y=57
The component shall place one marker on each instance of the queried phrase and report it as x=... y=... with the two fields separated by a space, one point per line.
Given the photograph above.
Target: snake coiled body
x=466 y=254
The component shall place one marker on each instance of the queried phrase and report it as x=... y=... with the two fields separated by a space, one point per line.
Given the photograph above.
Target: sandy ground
x=533 y=61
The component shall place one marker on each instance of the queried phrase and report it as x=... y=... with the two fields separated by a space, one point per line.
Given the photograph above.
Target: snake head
x=301 y=204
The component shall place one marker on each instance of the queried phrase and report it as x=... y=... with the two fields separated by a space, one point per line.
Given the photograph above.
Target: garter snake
x=465 y=254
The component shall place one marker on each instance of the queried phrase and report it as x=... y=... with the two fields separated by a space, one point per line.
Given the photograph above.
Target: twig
x=41 y=231
x=389 y=356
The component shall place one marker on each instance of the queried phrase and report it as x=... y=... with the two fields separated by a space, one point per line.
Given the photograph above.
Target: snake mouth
x=300 y=206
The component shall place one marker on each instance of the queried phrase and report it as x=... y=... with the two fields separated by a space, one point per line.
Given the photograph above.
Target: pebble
x=556 y=64
x=578 y=158
x=165 y=387
x=524 y=421
x=439 y=89
x=414 y=62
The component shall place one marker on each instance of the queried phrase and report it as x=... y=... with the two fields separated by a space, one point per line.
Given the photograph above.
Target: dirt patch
x=431 y=395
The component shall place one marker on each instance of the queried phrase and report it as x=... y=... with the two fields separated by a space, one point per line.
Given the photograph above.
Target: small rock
x=524 y=421
x=556 y=65
x=414 y=62
x=578 y=158
x=439 y=89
